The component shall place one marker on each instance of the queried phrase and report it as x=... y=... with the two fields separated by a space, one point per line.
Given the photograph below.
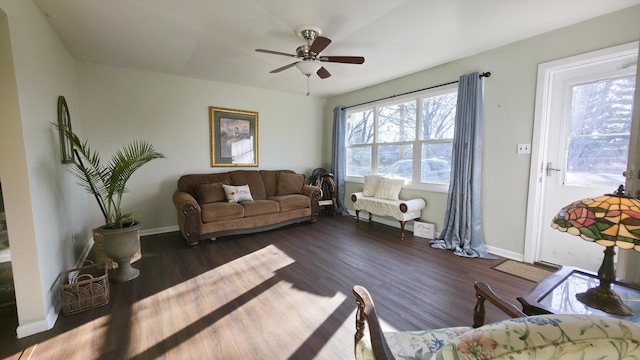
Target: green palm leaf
x=108 y=183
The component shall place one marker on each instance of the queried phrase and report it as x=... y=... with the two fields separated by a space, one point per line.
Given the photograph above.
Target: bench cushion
x=385 y=207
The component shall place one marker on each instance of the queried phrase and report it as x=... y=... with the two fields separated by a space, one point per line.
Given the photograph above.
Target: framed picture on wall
x=234 y=137
x=64 y=124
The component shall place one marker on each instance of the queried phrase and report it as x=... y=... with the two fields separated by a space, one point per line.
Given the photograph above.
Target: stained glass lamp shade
x=609 y=220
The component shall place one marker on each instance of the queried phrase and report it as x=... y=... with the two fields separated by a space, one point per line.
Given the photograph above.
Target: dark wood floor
x=282 y=294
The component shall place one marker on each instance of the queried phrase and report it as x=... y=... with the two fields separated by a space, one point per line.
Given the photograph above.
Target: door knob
x=550 y=169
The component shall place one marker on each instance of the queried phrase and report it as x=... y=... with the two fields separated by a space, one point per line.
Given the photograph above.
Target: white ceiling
x=215 y=39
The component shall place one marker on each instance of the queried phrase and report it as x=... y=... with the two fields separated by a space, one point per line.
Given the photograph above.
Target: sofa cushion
x=237 y=194
x=292 y=202
x=370 y=185
x=188 y=183
x=208 y=193
x=290 y=184
x=221 y=211
x=548 y=337
x=260 y=207
x=389 y=188
x=270 y=179
x=253 y=179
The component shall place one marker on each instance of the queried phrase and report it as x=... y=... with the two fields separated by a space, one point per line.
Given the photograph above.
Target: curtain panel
x=462 y=231
x=339 y=156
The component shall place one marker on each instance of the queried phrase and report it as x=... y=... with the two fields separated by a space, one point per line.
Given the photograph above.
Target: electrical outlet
x=524 y=149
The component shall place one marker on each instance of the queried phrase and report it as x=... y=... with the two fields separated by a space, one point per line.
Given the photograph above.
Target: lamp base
x=604 y=299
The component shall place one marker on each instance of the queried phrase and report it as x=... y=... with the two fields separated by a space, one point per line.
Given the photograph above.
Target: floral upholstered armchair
x=534 y=337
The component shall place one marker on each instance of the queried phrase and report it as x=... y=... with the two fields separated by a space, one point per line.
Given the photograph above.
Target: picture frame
x=64 y=124
x=234 y=137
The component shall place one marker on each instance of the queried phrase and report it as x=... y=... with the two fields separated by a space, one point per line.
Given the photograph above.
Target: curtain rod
x=484 y=74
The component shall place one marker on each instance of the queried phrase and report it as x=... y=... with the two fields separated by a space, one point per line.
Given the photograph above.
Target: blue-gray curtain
x=462 y=230
x=339 y=156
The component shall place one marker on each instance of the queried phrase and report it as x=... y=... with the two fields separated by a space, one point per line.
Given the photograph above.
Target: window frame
x=417 y=144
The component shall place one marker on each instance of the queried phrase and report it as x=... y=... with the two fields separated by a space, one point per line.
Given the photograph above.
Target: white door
x=587 y=113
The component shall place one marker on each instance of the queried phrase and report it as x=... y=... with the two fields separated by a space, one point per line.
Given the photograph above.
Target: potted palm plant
x=107 y=182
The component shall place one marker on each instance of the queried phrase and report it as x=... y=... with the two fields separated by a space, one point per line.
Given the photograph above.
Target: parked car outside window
x=432 y=170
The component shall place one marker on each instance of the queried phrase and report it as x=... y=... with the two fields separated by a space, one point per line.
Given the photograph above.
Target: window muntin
x=408 y=138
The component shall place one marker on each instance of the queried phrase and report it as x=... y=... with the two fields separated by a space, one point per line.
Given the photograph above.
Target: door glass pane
x=599 y=129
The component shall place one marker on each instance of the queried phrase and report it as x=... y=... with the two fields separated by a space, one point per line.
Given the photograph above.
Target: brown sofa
x=279 y=198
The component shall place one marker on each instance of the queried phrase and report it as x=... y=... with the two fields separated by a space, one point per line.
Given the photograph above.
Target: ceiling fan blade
x=283 y=68
x=343 y=59
x=275 y=52
x=319 y=44
x=323 y=73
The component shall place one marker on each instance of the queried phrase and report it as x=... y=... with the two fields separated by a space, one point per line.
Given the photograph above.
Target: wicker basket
x=85 y=288
x=101 y=257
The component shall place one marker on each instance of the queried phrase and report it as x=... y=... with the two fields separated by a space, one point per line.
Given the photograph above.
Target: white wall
x=119 y=105
x=42 y=211
x=44 y=205
x=509 y=96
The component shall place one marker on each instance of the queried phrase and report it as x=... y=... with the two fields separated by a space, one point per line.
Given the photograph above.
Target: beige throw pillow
x=370 y=185
x=389 y=188
x=237 y=194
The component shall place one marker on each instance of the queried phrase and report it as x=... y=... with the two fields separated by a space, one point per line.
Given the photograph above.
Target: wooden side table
x=556 y=294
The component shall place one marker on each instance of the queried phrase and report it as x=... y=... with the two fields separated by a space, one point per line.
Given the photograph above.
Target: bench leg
x=402 y=224
x=357 y=216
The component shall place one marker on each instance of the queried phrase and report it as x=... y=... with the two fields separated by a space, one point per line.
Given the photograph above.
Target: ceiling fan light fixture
x=308 y=67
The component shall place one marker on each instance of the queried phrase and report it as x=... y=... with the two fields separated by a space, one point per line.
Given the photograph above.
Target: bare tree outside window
x=599 y=132
x=407 y=139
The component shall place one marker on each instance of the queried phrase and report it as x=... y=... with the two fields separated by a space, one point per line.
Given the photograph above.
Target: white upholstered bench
x=401 y=210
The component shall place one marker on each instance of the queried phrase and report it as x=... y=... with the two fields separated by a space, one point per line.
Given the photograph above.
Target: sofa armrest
x=314 y=193
x=189 y=216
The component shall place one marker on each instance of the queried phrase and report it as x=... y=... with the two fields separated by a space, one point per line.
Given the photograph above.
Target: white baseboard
x=505 y=253
x=37 y=326
x=491 y=249
x=160 y=230
x=386 y=221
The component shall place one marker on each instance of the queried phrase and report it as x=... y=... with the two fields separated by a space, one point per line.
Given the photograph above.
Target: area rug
x=522 y=270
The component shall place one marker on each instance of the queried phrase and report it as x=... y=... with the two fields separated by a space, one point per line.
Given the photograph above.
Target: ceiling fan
x=309 y=59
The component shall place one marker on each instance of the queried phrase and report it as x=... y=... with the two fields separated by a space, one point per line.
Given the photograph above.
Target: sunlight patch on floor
x=88 y=333
x=216 y=310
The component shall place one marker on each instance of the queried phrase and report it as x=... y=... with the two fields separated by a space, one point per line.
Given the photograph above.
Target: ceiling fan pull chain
x=308 y=84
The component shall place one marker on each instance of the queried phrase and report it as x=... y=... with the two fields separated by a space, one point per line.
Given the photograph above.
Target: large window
x=409 y=137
